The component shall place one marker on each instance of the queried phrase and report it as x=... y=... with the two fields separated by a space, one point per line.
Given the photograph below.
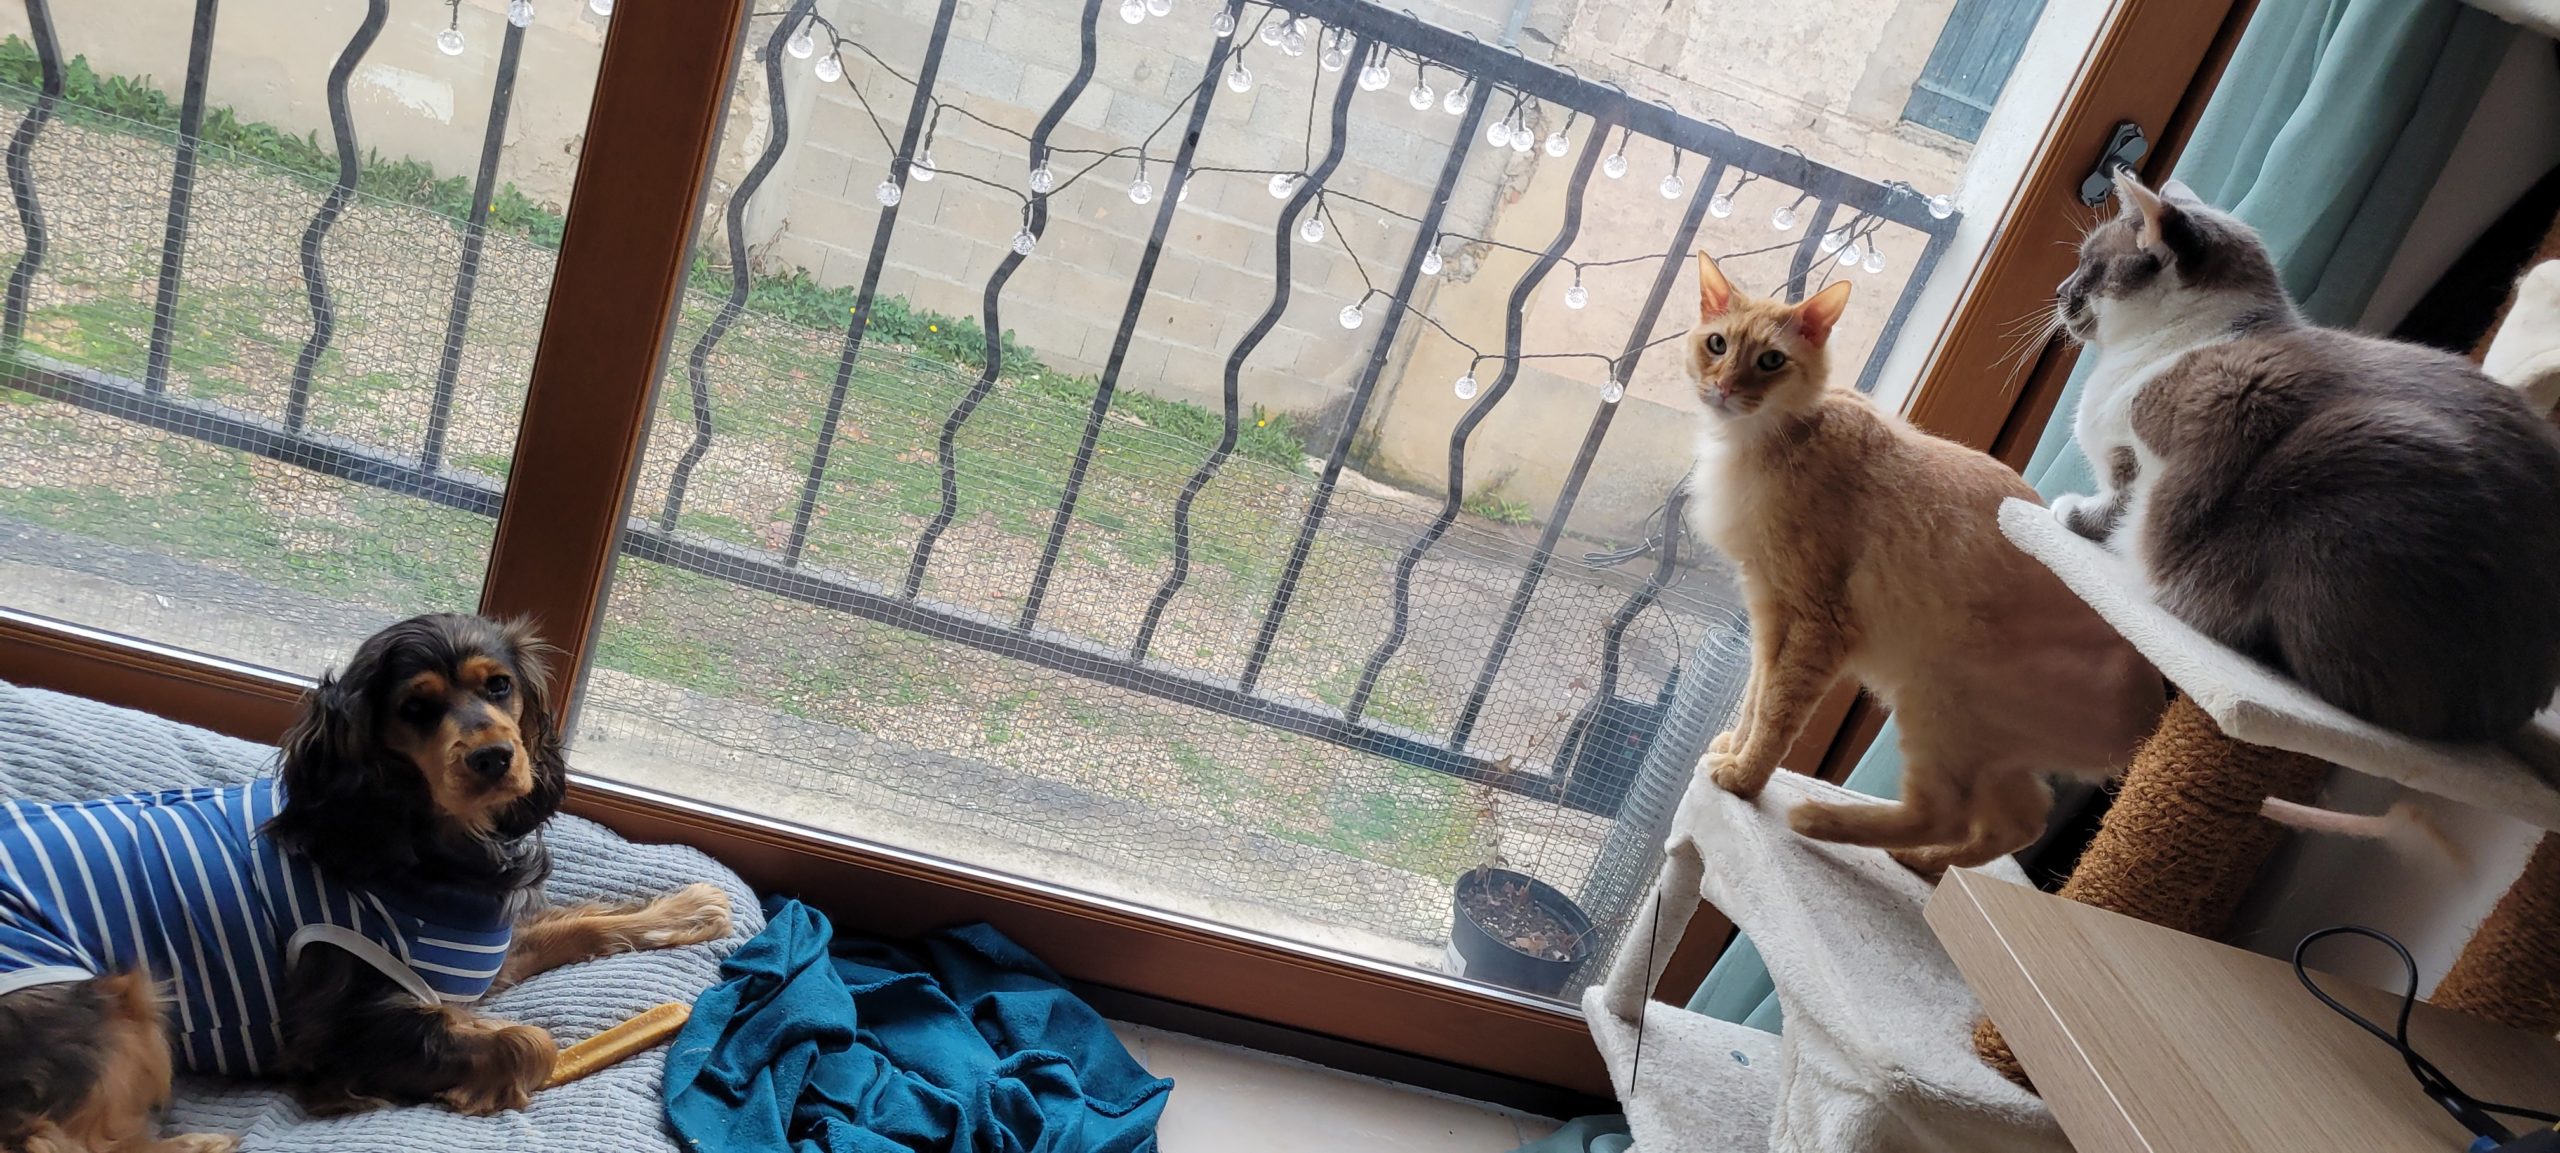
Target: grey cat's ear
x=2177 y=192
x=2143 y=206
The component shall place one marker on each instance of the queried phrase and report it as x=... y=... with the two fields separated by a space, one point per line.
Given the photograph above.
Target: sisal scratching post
x=2510 y=972
x=2183 y=841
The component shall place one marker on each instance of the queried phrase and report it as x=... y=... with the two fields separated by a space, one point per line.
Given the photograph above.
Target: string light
x=1024 y=241
x=1293 y=40
x=1720 y=205
x=1223 y=24
x=1557 y=144
x=830 y=68
x=1522 y=139
x=1616 y=165
x=1159 y=7
x=801 y=44
x=1498 y=134
x=1311 y=229
x=1465 y=386
x=1832 y=240
x=1421 y=96
x=600 y=7
x=888 y=194
x=1576 y=296
x=449 y=41
x=1184 y=192
x=1044 y=179
x=1374 y=74
x=1875 y=258
x=923 y=170
x=1351 y=316
x=1455 y=104
x=1671 y=187
x=1133 y=11
x=1784 y=219
x=1239 y=78
x=1849 y=254
x=520 y=13
x=1431 y=259
x=1270 y=33
x=1140 y=191
x=1942 y=206
x=1616 y=390
x=1282 y=184
x=1337 y=53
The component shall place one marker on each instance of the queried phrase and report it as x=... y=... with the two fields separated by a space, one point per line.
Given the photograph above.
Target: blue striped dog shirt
x=186 y=886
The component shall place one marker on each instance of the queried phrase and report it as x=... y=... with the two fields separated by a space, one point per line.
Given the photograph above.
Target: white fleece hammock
x=1878 y=1051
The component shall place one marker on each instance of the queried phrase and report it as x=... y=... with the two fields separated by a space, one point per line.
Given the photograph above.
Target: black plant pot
x=1477 y=953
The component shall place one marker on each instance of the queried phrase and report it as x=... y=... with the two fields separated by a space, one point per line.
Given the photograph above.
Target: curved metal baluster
x=697 y=365
x=860 y=322
x=22 y=175
x=1426 y=236
x=315 y=274
x=1282 y=241
x=182 y=190
x=947 y=450
x=1809 y=250
x=475 y=232
x=1613 y=637
x=1466 y=427
x=1628 y=358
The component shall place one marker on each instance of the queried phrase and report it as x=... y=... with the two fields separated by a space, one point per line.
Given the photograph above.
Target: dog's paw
x=689 y=916
x=510 y=1063
x=198 y=1143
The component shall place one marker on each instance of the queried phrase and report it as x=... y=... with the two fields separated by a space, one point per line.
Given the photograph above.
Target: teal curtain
x=2329 y=128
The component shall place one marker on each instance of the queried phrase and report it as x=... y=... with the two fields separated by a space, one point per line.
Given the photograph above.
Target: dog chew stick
x=613 y=1045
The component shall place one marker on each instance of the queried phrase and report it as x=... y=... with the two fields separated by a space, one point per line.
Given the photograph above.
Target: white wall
x=2432 y=903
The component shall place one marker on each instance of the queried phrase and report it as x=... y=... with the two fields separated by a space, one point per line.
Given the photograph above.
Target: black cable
x=2471 y=1111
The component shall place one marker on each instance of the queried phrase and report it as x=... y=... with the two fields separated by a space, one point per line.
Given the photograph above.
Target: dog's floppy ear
x=334 y=775
x=538 y=727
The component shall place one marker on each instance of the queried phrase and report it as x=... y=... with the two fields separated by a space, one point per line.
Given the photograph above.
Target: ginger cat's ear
x=1715 y=293
x=2145 y=206
x=1815 y=317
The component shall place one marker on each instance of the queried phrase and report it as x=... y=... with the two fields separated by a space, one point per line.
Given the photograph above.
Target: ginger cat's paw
x=1725 y=742
x=689 y=916
x=1728 y=771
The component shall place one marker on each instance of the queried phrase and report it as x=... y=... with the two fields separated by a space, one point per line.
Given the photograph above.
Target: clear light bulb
x=1184 y=193
x=1466 y=386
x=1455 y=103
x=1044 y=179
x=1292 y=41
x=1239 y=78
x=1282 y=184
x=1024 y=242
x=1849 y=255
x=1270 y=34
x=1615 y=166
x=520 y=13
x=1431 y=264
x=1557 y=145
x=1498 y=134
x=1133 y=11
x=1671 y=186
x=1720 y=206
x=1420 y=97
x=1311 y=229
x=889 y=194
x=1223 y=24
x=1374 y=76
x=1577 y=296
x=1875 y=258
x=1942 y=206
x=1832 y=240
x=449 y=42
x=1784 y=219
x=1140 y=191
x=1522 y=139
x=1614 y=391
x=922 y=170
x=1351 y=316
x=801 y=45
x=1159 y=7
x=1335 y=58
x=600 y=7
x=830 y=68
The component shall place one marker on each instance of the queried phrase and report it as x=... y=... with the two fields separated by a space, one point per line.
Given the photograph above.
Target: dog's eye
x=421 y=711
x=1715 y=344
x=1771 y=361
x=499 y=686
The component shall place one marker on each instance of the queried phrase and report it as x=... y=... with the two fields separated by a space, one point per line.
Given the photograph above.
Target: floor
x=1231 y=1100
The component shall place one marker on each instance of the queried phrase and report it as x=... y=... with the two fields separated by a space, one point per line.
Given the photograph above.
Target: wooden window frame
x=652 y=134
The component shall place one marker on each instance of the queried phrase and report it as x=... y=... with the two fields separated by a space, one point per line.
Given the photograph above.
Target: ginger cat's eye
x=1771 y=361
x=1715 y=344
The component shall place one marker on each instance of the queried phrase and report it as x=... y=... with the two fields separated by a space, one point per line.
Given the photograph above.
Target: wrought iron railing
x=1362 y=31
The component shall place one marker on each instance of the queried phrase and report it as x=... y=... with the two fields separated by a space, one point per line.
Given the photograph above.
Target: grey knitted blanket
x=56 y=748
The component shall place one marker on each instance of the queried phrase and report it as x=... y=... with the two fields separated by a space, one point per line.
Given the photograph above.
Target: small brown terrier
x=1871 y=549
x=421 y=778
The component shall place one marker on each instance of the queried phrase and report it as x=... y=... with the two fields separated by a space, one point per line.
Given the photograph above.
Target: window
x=1152 y=464
x=1970 y=64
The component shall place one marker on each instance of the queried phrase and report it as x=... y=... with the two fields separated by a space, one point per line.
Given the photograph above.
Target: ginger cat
x=1871 y=549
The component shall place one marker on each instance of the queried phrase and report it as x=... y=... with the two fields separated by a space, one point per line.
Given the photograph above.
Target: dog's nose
x=491 y=762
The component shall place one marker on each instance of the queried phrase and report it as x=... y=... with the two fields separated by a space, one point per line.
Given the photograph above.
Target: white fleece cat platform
x=2255 y=704
x=1878 y=1051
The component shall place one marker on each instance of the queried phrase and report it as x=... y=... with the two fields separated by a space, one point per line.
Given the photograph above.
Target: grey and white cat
x=2378 y=520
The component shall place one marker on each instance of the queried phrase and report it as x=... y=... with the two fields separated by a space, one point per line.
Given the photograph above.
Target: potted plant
x=1508 y=928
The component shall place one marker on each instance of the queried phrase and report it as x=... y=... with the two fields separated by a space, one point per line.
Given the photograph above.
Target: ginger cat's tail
x=2406 y=826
